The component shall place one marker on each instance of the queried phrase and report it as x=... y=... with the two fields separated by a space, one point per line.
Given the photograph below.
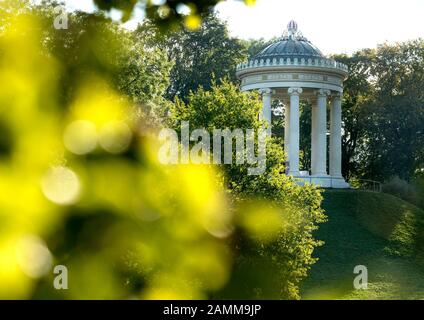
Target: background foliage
x=200 y=57
x=82 y=186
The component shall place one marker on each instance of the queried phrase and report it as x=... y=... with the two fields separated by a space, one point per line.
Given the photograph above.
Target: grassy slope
x=377 y=230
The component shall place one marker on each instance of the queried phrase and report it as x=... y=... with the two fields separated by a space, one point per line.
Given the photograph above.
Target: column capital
x=295 y=91
x=322 y=93
x=265 y=91
x=337 y=95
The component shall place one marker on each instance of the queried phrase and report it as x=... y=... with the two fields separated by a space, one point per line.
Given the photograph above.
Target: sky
x=334 y=26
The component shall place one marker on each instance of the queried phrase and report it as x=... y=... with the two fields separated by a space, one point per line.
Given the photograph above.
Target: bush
x=401 y=189
x=419 y=186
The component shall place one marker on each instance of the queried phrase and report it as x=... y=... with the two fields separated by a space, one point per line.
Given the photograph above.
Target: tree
x=167 y=13
x=95 y=45
x=280 y=264
x=383 y=112
x=199 y=56
x=254 y=46
x=396 y=128
x=358 y=93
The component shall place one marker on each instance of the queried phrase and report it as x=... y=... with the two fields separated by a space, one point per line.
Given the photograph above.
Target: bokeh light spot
x=193 y=22
x=61 y=185
x=250 y=2
x=33 y=256
x=115 y=137
x=80 y=137
x=164 y=11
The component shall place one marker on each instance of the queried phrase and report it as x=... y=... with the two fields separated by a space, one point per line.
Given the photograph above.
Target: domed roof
x=291 y=45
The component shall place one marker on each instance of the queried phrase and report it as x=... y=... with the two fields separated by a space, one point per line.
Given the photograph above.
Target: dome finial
x=292 y=27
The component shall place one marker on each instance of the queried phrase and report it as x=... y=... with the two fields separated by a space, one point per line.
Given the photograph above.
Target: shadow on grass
x=379 y=231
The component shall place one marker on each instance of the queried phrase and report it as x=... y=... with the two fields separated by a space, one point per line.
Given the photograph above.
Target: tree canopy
x=383 y=111
x=200 y=57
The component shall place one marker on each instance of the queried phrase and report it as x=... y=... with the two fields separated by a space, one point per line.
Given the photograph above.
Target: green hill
x=380 y=231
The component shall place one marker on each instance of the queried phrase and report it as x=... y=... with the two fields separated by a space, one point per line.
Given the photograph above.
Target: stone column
x=286 y=126
x=294 y=94
x=313 y=135
x=266 y=107
x=336 y=136
x=319 y=135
